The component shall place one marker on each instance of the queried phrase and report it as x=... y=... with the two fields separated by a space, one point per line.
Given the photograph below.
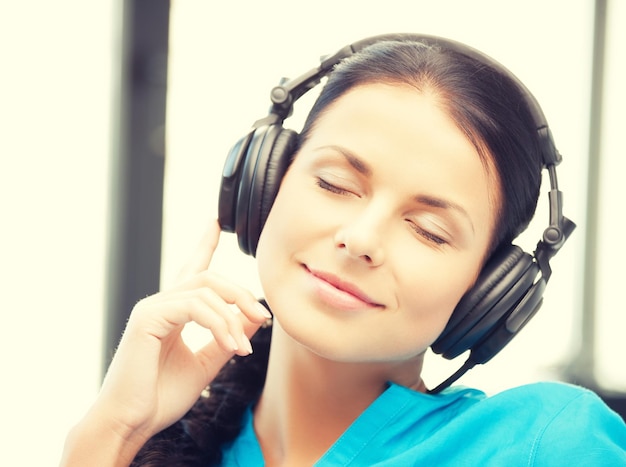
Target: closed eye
x=323 y=184
x=429 y=236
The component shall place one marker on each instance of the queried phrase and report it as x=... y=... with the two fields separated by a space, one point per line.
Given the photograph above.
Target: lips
x=339 y=293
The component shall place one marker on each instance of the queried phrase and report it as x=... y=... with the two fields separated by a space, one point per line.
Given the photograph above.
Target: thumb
x=202 y=256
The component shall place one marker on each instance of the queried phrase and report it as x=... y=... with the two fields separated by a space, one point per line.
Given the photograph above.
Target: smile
x=339 y=294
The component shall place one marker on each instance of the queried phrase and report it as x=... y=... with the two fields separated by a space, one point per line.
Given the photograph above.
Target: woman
x=415 y=166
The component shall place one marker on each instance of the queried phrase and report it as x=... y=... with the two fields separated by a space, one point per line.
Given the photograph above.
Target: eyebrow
x=364 y=169
x=360 y=166
x=444 y=204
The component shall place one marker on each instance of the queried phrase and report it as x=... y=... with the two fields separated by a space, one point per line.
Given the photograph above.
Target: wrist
x=96 y=441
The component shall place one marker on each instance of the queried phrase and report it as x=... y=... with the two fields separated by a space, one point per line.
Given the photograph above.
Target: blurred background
x=116 y=118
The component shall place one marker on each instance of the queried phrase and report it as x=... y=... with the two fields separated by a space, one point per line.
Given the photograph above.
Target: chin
x=336 y=345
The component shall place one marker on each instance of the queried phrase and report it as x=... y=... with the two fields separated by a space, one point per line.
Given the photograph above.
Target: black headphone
x=509 y=290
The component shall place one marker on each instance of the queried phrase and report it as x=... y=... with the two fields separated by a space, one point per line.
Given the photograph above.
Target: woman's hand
x=155 y=377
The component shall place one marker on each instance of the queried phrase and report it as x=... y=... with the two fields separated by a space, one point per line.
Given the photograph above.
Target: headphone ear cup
x=251 y=178
x=508 y=328
x=261 y=140
x=231 y=181
x=238 y=178
x=503 y=282
x=272 y=164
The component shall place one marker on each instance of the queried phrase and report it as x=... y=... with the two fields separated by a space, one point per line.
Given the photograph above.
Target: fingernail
x=232 y=343
x=246 y=344
x=264 y=311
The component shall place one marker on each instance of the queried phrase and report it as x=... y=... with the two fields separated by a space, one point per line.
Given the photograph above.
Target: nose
x=361 y=239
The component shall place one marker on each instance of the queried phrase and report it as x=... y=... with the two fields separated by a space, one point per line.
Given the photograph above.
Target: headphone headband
x=286 y=94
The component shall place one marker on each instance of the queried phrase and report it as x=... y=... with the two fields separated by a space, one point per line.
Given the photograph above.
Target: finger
x=221 y=318
x=171 y=313
x=229 y=292
x=162 y=315
x=203 y=255
x=213 y=358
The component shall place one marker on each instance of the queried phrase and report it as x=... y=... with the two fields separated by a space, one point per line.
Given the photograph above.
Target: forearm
x=97 y=443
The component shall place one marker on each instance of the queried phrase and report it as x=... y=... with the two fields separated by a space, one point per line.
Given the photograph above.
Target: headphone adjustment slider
x=282 y=100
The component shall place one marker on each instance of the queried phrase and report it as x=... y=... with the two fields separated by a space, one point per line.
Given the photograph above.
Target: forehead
x=411 y=142
x=398 y=109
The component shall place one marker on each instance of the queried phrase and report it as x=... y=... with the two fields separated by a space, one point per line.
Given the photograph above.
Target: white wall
x=55 y=99
x=611 y=345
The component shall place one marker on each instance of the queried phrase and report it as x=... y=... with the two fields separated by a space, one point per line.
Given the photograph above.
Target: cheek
x=283 y=220
x=433 y=291
x=285 y=229
x=295 y=214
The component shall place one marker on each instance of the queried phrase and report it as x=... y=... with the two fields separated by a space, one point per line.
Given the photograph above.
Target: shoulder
x=548 y=396
x=543 y=424
x=554 y=400
x=565 y=423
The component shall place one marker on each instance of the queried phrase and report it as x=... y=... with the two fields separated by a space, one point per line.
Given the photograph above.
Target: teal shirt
x=543 y=424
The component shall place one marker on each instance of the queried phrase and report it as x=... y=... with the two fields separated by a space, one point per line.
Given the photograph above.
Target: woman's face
x=381 y=224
